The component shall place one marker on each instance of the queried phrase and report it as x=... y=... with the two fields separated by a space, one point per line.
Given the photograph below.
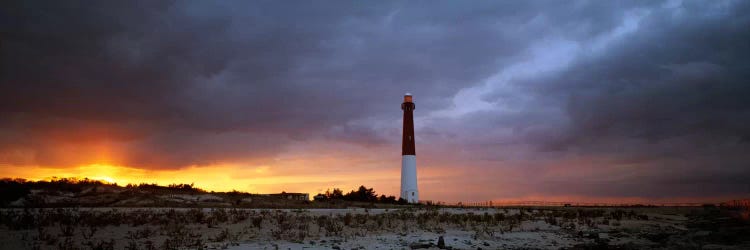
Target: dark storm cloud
x=148 y=69
x=659 y=87
x=682 y=101
x=668 y=102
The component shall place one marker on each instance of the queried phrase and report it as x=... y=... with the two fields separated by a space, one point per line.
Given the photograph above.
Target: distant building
x=292 y=196
x=320 y=197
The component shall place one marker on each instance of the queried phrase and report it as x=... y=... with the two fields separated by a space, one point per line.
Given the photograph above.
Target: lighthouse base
x=409 y=191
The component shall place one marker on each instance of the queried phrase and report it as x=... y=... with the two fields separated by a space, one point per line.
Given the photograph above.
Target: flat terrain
x=402 y=228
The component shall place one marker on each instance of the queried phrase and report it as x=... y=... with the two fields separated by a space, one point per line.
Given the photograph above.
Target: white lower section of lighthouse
x=409 y=178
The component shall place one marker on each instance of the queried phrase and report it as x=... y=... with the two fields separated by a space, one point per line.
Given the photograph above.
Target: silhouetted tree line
x=14 y=189
x=363 y=194
x=181 y=188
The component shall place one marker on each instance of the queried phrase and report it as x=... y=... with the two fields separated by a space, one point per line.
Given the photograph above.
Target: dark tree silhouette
x=362 y=194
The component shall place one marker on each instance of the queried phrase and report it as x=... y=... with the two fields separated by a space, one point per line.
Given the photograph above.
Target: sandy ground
x=359 y=228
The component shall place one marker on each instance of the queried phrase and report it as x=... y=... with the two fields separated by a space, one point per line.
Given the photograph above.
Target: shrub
x=257 y=221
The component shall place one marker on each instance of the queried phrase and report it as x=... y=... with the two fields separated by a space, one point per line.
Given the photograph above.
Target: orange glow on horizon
x=631 y=200
x=438 y=184
x=228 y=177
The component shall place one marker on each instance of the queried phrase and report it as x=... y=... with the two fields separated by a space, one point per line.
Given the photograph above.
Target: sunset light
x=515 y=124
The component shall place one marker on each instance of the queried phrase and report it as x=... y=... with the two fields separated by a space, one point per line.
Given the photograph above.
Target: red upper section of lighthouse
x=407 y=145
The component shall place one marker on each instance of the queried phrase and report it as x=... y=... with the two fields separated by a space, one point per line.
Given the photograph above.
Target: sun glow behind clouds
x=216 y=178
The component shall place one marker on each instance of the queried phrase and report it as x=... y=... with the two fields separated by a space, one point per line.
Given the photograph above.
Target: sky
x=608 y=101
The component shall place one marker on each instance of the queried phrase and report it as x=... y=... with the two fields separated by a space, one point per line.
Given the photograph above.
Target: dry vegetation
x=222 y=228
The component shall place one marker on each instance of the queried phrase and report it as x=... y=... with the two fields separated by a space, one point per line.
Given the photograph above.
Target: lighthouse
x=409 y=190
